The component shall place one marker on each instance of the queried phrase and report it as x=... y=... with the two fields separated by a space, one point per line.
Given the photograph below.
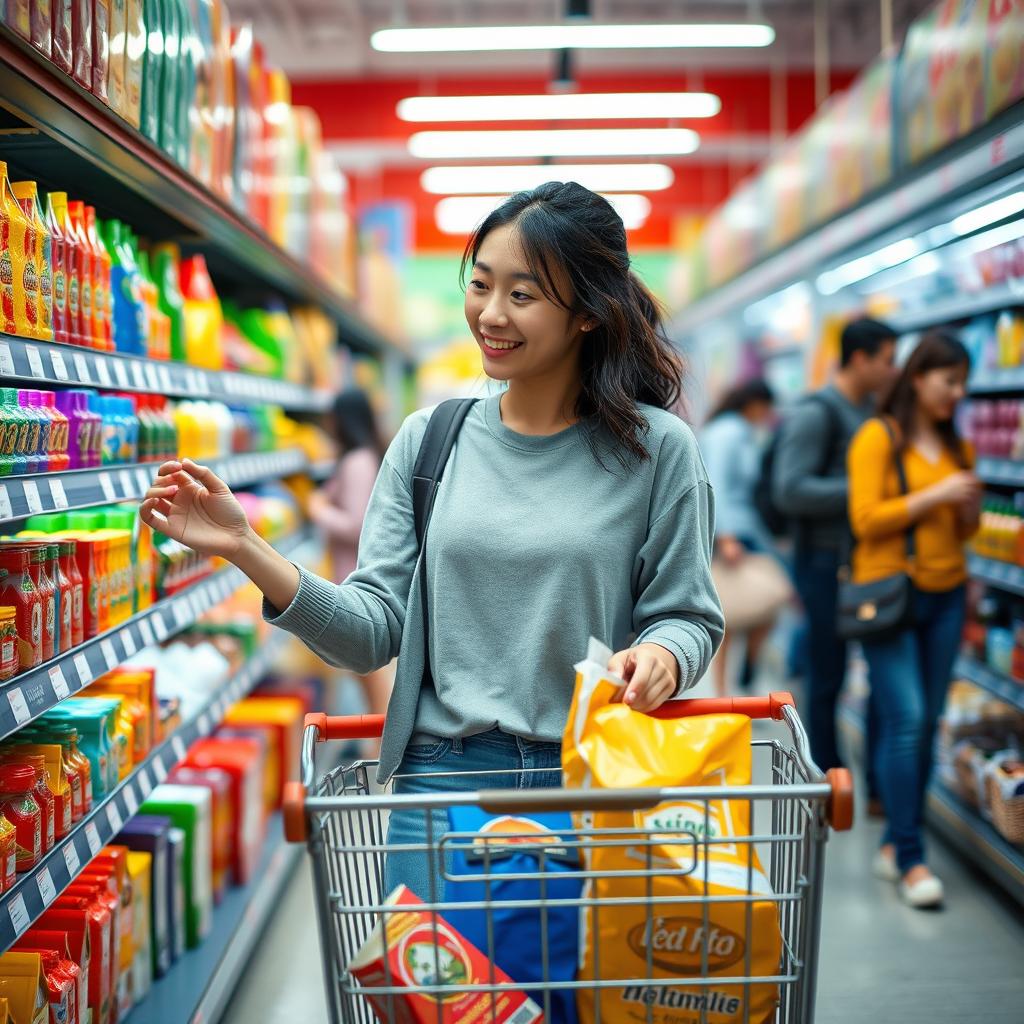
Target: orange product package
x=685 y=851
x=415 y=948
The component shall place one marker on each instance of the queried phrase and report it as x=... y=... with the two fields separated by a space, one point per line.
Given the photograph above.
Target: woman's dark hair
x=626 y=358
x=737 y=399
x=355 y=425
x=937 y=350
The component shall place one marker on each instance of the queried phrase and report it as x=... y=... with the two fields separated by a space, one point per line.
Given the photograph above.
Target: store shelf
x=34 y=692
x=34 y=892
x=1004 y=472
x=1003 y=687
x=22 y=496
x=198 y=987
x=1009 y=381
x=961 y=307
x=74 y=140
x=50 y=364
x=964 y=828
x=1002 y=575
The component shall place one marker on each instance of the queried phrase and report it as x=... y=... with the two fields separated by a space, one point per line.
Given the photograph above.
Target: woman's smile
x=497 y=348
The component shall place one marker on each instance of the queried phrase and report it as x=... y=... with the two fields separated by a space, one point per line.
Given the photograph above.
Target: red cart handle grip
x=346 y=727
x=753 y=707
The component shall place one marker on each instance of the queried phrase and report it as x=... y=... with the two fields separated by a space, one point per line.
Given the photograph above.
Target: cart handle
x=345 y=727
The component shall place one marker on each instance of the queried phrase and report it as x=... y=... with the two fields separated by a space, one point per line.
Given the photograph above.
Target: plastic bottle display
x=165 y=268
x=101 y=296
x=59 y=252
x=37 y=243
x=19 y=314
x=82 y=318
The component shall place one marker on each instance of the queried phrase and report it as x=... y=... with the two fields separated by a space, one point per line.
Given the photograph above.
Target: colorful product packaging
x=73 y=912
x=407 y=948
x=18 y=805
x=73 y=948
x=148 y=835
x=218 y=782
x=140 y=874
x=176 y=899
x=282 y=718
x=23 y=985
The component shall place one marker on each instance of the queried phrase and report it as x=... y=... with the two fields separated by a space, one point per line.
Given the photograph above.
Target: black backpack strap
x=435 y=449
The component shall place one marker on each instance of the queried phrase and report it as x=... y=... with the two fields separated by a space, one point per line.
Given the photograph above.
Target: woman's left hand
x=651 y=674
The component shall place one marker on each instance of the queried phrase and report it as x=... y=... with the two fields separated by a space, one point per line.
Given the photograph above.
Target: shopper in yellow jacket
x=910 y=671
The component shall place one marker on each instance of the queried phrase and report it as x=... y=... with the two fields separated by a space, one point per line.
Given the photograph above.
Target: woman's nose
x=493 y=314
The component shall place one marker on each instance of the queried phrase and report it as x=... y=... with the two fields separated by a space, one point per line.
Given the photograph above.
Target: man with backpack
x=809 y=487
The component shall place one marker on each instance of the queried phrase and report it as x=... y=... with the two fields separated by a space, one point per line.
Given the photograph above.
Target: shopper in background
x=339 y=507
x=910 y=671
x=809 y=485
x=749 y=581
x=574 y=505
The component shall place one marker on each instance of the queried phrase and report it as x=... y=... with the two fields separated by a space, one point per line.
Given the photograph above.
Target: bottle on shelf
x=60 y=460
x=13 y=262
x=128 y=314
x=165 y=258
x=38 y=445
x=204 y=321
x=158 y=338
x=39 y=247
x=85 y=262
x=59 y=265
x=101 y=296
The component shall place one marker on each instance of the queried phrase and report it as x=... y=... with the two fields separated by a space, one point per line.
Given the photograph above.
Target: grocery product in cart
x=685 y=853
x=415 y=947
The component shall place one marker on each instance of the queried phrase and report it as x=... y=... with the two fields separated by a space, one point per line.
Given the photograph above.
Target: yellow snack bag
x=682 y=851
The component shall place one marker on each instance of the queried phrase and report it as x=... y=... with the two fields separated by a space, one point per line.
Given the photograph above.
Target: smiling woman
x=575 y=504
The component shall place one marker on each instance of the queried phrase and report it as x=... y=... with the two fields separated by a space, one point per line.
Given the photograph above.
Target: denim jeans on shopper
x=910 y=675
x=439 y=767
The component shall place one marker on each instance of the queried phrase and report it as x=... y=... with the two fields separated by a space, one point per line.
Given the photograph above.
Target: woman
x=910 y=671
x=732 y=446
x=339 y=507
x=574 y=505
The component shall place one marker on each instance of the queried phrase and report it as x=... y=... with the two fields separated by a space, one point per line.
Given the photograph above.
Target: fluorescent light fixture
x=856 y=270
x=576 y=37
x=459 y=215
x=579 y=142
x=782 y=305
x=633 y=106
x=489 y=178
x=990 y=213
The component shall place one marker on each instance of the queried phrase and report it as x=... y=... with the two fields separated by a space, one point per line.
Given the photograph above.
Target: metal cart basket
x=343 y=818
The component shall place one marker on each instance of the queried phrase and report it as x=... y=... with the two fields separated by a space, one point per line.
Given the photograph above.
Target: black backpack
x=775 y=520
x=436 y=447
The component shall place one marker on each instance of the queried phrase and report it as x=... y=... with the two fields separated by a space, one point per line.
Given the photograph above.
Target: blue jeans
x=510 y=763
x=910 y=676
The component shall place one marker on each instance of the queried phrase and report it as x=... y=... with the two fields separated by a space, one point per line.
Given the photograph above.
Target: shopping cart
x=343 y=819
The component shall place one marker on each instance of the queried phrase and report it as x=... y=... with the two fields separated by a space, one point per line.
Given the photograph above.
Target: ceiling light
x=459 y=215
x=581 y=142
x=990 y=213
x=633 y=106
x=488 y=179
x=576 y=37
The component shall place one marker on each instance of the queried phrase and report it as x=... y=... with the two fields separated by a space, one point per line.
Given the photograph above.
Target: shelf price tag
x=57 y=493
x=159 y=770
x=82 y=369
x=83 y=670
x=114 y=817
x=103 y=373
x=92 y=837
x=152 y=378
x=71 y=858
x=146 y=632
x=18 y=705
x=127 y=483
x=6 y=361
x=59 y=683
x=160 y=628
x=35 y=361
x=181 y=614
x=44 y=883
x=131 y=801
x=60 y=371
x=19 y=915
x=142 y=481
x=178 y=746
x=139 y=376
x=31 y=491
x=128 y=642
x=121 y=373
x=109 y=656
x=165 y=379
x=145 y=783
x=6 y=512
x=107 y=486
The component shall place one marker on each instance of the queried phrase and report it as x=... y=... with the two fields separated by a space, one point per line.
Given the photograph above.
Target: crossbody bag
x=874 y=611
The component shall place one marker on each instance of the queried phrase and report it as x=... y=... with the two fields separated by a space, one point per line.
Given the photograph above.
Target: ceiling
x=330 y=38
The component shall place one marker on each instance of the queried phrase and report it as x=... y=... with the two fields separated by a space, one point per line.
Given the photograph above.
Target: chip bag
x=609 y=746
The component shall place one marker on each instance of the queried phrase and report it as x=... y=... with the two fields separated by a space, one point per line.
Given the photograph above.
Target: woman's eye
x=521 y=296
x=478 y=285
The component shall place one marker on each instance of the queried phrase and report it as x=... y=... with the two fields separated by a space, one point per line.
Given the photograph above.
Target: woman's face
x=940 y=391
x=520 y=331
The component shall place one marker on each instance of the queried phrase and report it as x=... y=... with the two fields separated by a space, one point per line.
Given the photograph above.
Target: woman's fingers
x=157 y=491
x=206 y=477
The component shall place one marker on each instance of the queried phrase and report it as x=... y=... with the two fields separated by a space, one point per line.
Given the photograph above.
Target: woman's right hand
x=958 y=489
x=191 y=504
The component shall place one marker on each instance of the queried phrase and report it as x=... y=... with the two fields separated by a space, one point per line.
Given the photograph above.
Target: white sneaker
x=927 y=892
x=884 y=866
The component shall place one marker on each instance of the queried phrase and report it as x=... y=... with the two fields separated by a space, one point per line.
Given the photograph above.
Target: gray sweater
x=809 y=479
x=532 y=548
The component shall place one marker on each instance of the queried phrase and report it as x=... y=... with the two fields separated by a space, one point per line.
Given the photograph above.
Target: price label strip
x=35 y=361
x=59 y=683
x=109 y=656
x=121 y=373
x=114 y=817
x=44 y=883
x=57 y=493
x=31 y=492
x=71 y=858
x=103 y=373
x=6 y=512
x=19 y=914
x=60 y=371
x=92 y=837
x=82 y=668
x=82 y=369
x=6 y=360
x=146 y=632
x=18 y=705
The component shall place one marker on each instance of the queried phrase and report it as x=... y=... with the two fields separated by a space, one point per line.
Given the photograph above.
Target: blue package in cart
x=533 y=859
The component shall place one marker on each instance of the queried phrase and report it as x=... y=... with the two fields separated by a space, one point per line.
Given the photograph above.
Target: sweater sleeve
x=872 y=514
x=798 y=487
x=358 y=624
x=676 y=603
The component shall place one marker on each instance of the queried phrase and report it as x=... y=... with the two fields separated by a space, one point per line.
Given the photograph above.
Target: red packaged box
x=61 y=989
x=75 y=914
x=218 y=782
x=73 y=950
x=102 y=889
x=422 y=949
x=242 y=759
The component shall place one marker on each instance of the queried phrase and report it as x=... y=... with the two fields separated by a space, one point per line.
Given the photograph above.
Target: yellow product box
x=23 y=986
x=140 y=872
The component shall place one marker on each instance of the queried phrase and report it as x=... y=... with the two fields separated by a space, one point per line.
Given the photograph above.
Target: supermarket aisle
x=880 y=960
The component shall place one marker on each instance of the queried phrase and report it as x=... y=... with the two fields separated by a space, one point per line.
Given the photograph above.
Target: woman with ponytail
x=575 y=504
